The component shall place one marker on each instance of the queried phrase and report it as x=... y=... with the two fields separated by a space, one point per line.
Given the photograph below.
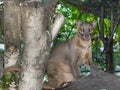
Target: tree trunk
x=109 y=47
x=35 y=19
x=109 y=55
x=107 y=41
x=12 y=27
x=111 y=59
x=35 y=47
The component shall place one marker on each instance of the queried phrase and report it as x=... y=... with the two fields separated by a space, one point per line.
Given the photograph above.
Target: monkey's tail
x=12 y=68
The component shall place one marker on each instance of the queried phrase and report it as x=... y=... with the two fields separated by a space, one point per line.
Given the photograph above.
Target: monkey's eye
x=90 y=30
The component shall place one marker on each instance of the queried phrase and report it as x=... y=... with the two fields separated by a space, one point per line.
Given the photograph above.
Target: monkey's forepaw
x=64 y=84
x=95 y=67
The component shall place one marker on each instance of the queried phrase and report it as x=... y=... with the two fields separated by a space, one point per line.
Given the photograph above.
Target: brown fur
x=66 y=58
x=12 y=68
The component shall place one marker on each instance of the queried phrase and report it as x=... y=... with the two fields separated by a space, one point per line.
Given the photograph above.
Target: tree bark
x=36 y=42
x=35 y=47
x=12 y=27
x=109 y=55
x=57 y=25
x=109 y=52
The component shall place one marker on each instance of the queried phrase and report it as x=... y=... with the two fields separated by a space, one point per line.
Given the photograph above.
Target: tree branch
x=114 y=29
x=57 y=25
x=102 y=24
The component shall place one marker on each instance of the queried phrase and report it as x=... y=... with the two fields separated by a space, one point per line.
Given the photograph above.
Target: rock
x=97 y=80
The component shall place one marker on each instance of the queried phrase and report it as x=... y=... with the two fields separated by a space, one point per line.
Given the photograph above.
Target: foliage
x=1 y=51
x=10 y=79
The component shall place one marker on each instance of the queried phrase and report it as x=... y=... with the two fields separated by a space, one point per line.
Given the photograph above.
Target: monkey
x=64 y=63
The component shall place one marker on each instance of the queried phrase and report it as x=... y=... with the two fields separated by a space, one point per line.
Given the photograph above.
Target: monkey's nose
x=87 y=36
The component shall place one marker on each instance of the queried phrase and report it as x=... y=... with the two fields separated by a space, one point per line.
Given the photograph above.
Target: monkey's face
x=85 y=29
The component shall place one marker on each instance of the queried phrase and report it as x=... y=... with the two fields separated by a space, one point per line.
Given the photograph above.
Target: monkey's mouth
x=86 y=37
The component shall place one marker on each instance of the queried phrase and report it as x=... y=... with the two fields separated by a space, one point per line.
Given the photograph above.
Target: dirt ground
x=97 y=80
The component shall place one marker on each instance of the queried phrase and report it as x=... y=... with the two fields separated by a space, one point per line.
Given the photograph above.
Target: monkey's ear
x=78 y=23
x=94 y=23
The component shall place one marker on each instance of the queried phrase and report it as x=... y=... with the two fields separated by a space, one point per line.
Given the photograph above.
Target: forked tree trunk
x=109 y=47
x=107 y=41
x=12 y=27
